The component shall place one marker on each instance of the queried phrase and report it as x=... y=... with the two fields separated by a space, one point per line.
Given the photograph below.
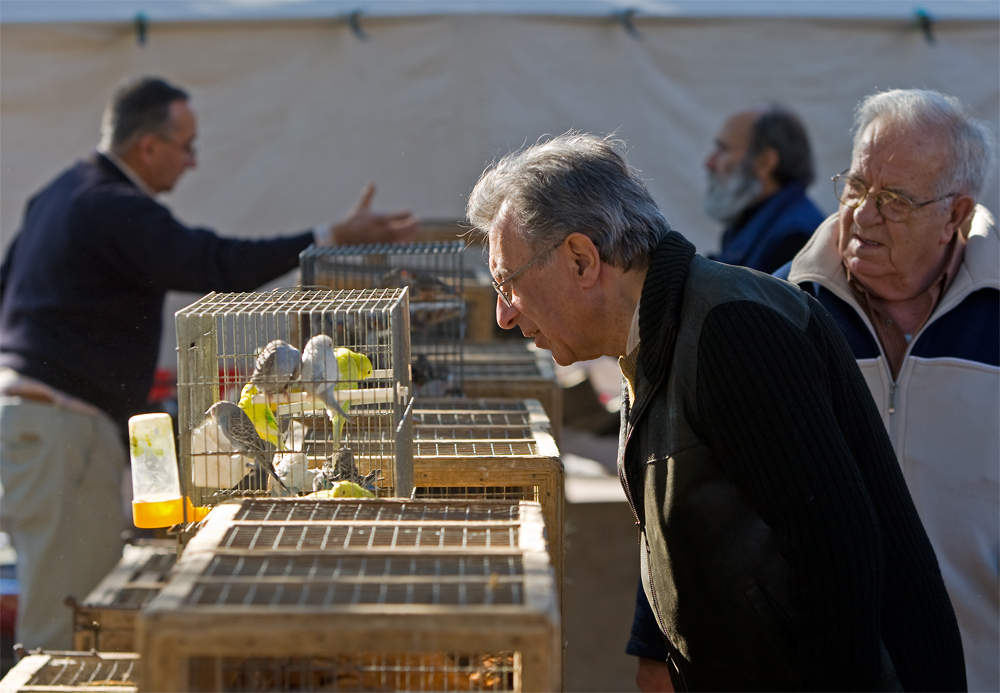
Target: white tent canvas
x=297 y=111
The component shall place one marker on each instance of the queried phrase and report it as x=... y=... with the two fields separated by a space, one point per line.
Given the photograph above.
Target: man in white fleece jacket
x=909 y=269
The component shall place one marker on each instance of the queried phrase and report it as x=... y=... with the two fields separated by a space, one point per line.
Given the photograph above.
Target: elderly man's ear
x=585 y=257
x=960 y=217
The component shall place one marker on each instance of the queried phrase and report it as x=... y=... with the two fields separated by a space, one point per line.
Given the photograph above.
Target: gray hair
x=575 y=182
x=972 y=155
x=779 y=128
x=136 y=108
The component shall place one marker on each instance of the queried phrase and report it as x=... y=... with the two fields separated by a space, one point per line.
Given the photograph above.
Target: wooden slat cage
x=366 y=594
x=514 y=369
x=491 y=449
x=432 y=272
x=105 y=620
x=71 y=672
x=219 y=338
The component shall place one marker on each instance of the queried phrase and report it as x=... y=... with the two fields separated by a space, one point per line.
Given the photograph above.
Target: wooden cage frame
x=172 y=633
x=105 y=620
x=537 y=468
x=24 y=676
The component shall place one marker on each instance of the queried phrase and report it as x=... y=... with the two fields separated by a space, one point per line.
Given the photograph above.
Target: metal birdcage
x=372 y=594
x=438 y=307
x=362 y=337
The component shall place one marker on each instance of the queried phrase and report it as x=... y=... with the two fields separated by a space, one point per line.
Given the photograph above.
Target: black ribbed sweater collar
x=660 y=306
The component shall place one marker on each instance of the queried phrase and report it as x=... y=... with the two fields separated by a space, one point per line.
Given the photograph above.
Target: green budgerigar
x=353 y=368
x=262 y=417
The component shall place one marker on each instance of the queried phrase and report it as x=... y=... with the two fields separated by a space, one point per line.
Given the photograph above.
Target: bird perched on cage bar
x=321 y=372
x=353 y=367
x=423 y=285
x=341 y=467
x=277 y=365
x=237 y=428
x=326 y=370
x=431 y=379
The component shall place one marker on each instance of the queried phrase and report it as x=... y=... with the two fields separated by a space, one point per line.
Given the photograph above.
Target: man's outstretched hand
x=362 y=225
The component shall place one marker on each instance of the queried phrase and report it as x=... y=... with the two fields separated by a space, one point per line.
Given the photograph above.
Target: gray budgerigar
x=325 y=477
x=341 y=467
x=277 y=365
x=238 y=429
x=321 y=373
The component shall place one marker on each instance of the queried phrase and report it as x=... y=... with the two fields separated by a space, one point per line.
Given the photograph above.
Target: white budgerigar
x=277 y=365
x=321 y=373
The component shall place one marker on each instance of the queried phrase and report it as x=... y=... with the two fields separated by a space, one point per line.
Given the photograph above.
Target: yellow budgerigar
x=343 y=489
x=353 y=367
x=261 y=415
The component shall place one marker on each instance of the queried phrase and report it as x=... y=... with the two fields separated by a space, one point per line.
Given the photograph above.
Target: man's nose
x=867 y=213
x=710 y=162
x=506 y=315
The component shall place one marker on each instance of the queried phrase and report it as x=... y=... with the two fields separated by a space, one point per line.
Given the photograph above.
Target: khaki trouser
x=60 y=502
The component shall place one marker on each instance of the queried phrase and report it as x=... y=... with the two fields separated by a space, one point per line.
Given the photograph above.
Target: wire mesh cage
x=433 y=273
x=299 y=377
x=73 y=671
x=491 y=449
x=372 y=594
x=105 y=620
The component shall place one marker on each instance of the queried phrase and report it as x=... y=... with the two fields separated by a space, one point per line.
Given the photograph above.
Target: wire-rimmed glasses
x=892 y=206
x=498 y=286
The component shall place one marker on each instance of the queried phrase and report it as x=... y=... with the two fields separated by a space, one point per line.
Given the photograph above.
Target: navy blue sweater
x=83 y=284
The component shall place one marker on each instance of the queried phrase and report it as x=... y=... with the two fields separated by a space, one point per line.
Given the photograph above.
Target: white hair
x=972 y=155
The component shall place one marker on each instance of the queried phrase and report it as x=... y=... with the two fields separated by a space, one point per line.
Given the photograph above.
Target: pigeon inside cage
x=294 y=393
x=433 y=274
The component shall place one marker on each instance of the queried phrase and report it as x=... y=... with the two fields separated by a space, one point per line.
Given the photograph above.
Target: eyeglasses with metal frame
x=498 y=286
x=892 y=206
x=188 y=149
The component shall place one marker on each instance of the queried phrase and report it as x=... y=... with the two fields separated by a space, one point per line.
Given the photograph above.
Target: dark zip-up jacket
x=780 y=547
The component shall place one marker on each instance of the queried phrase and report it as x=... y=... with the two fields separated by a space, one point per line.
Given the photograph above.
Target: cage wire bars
x=438 y=308
x=219 y=338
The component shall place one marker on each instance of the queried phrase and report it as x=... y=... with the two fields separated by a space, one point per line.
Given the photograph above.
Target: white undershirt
x=129 y=173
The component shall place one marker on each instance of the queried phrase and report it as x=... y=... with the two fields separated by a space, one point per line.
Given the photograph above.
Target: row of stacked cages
x=339 y=595
x=220 y=338
x=451 y=605
x=463 y=449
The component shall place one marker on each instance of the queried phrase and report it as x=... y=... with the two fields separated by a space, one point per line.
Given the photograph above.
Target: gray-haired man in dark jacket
x=780 y=548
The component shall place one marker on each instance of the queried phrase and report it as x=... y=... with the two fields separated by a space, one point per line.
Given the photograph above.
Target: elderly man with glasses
x=910 y=269
x=779 y=547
